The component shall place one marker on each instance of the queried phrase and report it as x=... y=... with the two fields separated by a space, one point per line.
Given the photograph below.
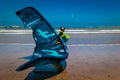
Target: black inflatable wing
x=45 y=36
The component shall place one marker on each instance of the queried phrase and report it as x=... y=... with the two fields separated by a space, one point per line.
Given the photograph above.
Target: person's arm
x=60 y=33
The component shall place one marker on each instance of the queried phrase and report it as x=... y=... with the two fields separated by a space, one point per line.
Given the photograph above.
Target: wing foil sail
x=44 y=36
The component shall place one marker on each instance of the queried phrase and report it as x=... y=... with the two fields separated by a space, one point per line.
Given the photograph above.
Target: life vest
x=65 y=36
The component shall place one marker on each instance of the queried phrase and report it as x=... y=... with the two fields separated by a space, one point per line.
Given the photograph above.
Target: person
x=64 y=36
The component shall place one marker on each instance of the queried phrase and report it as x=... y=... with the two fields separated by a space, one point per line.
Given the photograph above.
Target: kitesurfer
x=64 y=36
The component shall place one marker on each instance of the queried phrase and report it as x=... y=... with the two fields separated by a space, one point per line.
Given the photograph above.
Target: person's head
x=62 y=28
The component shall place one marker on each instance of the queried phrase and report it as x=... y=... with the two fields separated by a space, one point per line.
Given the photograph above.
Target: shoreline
x=69 y=31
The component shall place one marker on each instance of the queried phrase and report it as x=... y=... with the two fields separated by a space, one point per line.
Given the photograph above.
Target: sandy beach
x=91 y=57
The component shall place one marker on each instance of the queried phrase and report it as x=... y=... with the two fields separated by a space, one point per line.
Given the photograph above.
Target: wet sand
x=88 y=59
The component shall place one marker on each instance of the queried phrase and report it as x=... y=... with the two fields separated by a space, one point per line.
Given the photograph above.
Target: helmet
x=62 y=28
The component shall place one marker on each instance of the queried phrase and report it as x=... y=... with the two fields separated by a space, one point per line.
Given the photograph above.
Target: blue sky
x=69 y=13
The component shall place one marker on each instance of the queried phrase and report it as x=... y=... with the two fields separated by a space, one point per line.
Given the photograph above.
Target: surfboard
x=45 y=37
